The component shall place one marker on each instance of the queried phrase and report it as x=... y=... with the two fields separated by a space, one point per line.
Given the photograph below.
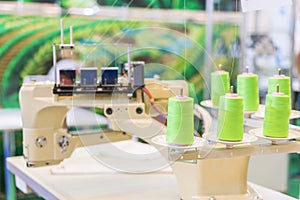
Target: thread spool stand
x=233 y=173
x=218 y=169
x=293 y=135
x=247 y=139
x=233 y=157
x=161 y=141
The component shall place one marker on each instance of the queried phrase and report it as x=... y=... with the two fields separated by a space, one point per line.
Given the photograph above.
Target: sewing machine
x=45 y=135
x=209 y=171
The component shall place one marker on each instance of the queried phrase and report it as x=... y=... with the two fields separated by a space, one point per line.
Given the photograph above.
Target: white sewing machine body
x=45 y=135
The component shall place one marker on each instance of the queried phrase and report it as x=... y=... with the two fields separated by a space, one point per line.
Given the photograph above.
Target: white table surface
x=50 y=183
x=95 y=186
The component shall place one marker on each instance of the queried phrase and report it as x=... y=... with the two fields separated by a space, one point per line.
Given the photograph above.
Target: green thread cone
x=180 y=125
x=219 y=86
x=283 y=82
x=247 y=87
x=277 y=112
x=231 y=119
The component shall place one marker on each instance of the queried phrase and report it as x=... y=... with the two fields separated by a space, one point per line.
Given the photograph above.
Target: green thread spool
x=284 y=83
x=180 y=126
x=247 y=87
x=219 y=85
x=231 y=118
x=277 y=112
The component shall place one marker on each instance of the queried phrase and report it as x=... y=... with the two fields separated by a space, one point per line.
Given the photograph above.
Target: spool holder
x=239 y=151
x=233 y=160
x=279 y=71
x=217 y=153
x=220 y=67
x=255 y=149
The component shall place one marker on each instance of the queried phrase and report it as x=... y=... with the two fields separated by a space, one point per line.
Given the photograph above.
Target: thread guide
x=247 y=69
x=279 y=72
x=220 y=66
x=277 y=88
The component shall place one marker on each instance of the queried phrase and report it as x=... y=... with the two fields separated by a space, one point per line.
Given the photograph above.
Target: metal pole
x=61 y=36
x=71 y=39
x=71 y=35
x=61 y=31
x=292 y=49
x=129 y=63
x=208 y=46
x=54 y=63
x=244 y=35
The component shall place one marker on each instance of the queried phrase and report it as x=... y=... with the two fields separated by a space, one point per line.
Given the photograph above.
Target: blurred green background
x=171 y=50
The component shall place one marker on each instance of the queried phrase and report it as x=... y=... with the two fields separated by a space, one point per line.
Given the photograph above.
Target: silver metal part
x=61 y=31
x=41 y=142
x=71 y=35
x=138 y=73
x=63 y=142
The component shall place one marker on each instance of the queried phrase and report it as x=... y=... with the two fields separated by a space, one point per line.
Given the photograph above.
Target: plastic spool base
x=247 y=138
x=275 y=140
x=208 y=104
x=161 y=141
